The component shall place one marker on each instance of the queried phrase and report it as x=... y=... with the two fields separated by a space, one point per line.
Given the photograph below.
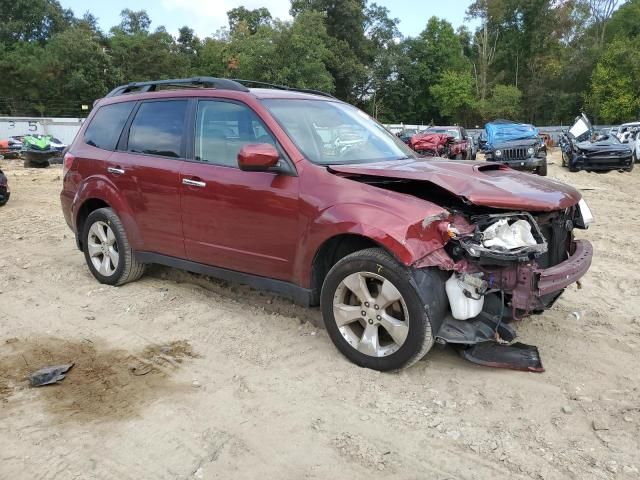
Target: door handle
x=193 y=183
x=115 y=170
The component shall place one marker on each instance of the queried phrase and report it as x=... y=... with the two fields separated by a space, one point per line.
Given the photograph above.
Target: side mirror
x=258 y=157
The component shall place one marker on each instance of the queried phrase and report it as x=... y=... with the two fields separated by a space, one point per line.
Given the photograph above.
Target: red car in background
x=447 y=142
x=432 y=144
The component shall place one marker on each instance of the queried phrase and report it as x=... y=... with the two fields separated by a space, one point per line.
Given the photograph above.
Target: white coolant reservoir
x=465 y=297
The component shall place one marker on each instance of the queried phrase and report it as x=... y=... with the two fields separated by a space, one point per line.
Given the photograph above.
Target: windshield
x=330 y=133
x=606 y=140
x=454 y=132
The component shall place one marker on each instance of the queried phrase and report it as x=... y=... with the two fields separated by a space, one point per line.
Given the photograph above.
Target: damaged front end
x=502 y=241
x=502 y=267
x=582 y=150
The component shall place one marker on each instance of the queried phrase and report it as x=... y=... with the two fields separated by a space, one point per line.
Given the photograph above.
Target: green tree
x=345 y=25
x=139 y=55
x=252 y=19
x=418 y=64
x=302 y=53
x=455 y=97
x=134 y=22
x=31 y=20
x=625 y=22
x=211 y=59
x=505 y=102
x=615 y=84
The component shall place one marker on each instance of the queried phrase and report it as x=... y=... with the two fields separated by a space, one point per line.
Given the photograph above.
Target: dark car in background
x=582 y=149
x=405 y=135
x=4 y=189
x=517 y=145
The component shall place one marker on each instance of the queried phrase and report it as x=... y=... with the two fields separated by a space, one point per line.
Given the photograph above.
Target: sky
x=207 y=16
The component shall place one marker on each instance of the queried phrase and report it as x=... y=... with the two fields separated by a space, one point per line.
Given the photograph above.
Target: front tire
x=107 y=250
x=542 y=170
x=372 y=312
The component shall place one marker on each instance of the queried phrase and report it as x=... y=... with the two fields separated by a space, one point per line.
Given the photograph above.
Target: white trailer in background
x=64 y=129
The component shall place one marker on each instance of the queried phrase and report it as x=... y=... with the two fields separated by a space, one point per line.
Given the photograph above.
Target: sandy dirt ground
x=181 y=377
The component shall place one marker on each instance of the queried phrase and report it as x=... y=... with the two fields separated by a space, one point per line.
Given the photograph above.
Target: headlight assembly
x=586 y=217
x=498 y=153
x=531 y=151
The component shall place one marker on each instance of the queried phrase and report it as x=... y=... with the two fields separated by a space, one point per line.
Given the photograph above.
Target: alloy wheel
x=371 y=314
x=103 y=248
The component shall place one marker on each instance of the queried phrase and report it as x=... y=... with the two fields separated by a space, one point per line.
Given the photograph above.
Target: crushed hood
x=480 y=183
x=429 y=141
x=604 y=148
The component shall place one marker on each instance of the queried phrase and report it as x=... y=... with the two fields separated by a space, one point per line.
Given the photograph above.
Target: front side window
x=106 y=125
x=158 y=129
x=329 y=132
x=223 y=128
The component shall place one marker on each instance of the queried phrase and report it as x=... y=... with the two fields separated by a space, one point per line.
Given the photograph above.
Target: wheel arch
x=333 y=250
x=88 y=206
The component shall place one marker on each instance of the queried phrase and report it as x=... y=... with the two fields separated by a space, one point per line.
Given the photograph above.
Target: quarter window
x=158 y=129
x=106 y=126
x=223 y=128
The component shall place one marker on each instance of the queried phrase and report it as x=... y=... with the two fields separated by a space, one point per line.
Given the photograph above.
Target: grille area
x=557 y=235
x=519 y=153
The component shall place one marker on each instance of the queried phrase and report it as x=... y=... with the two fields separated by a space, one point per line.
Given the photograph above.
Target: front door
x=243 y=221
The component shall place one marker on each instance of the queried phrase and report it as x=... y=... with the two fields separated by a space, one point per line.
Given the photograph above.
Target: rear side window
x=158 y=129
x=106 y=126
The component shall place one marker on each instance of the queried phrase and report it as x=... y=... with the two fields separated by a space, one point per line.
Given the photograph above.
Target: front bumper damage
x=516 y=283
x=601 y=161
x=533 y=288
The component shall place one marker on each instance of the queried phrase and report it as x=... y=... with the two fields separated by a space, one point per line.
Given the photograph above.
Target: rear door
x=147 y=167
x=243 y=221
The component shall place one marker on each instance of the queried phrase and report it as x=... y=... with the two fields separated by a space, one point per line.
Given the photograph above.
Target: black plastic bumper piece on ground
x=481 y=329
x=517 y=356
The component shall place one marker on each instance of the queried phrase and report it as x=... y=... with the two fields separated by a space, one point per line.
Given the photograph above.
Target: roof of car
x=221 y=86
x=258 y=93
x=264 y=93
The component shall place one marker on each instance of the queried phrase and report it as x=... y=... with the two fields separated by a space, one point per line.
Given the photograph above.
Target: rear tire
x=107 y=251
x=372 y=312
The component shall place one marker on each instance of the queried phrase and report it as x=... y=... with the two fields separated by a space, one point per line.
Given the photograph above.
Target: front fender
x=408 y=242
x=102 y=188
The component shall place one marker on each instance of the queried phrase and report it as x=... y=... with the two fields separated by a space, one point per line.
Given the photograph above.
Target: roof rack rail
x=219 y=83
x=282 y=87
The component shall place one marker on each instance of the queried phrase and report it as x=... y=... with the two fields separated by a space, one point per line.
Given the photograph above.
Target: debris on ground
x=49 y=375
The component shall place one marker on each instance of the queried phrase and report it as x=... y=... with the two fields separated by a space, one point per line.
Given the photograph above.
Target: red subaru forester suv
x=299 y=193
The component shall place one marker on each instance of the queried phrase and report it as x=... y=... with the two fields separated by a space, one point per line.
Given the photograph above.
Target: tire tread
x=133 y=269
x=379 y=255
